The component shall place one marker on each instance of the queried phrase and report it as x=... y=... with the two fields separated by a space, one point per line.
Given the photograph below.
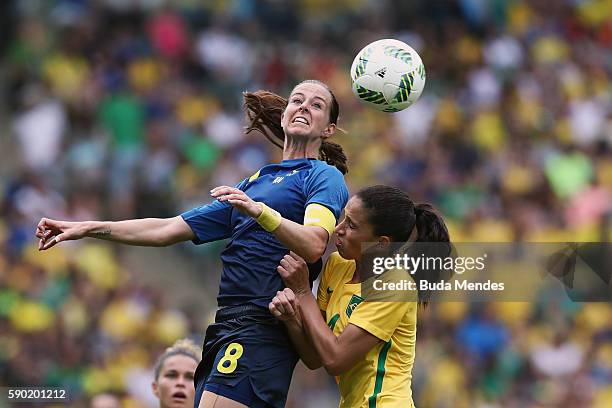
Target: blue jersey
x=252 y=254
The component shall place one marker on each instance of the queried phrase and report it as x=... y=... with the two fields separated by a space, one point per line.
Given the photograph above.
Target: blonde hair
x=183 y=347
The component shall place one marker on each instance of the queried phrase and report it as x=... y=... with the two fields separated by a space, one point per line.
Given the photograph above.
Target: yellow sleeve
x=380 y=318
x=321 y=216
x=323 y=294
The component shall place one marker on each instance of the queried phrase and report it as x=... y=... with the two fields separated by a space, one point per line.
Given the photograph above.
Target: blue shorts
x=247 y=357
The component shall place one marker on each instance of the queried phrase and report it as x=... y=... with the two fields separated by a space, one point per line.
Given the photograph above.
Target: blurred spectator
x=482 y=335
x=560 y=358
x=40 y=128
x=105 y=400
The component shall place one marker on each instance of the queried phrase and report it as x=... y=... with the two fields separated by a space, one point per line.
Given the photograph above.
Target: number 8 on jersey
x=229 y=362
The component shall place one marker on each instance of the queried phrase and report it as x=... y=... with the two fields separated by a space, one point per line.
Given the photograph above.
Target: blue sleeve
x=325 y=185
x=211 y=222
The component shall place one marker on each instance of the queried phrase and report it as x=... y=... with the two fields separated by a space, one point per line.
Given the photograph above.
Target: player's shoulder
x=320 y=166
x=335 y=259
x=337 y=267
x=322 y=173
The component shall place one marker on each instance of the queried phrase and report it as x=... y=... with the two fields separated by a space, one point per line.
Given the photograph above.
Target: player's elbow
x=162 y=239
x=335 y=363
x=314 y=244
x=335 y=367
x=313 y=257
x=315 y=251
x=312 y=364
x=320 y=250
x=174 y=230
x=163 y=242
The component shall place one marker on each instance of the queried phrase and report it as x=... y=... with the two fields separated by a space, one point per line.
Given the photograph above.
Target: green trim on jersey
x=332 y=322
x=380 y=374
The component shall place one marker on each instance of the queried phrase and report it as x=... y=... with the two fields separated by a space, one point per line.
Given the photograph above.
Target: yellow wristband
x=269 y=219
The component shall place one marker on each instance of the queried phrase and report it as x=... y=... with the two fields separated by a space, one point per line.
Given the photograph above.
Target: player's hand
x=238 y=199
x=51 y=232
x=285 y=306
x=294 y=272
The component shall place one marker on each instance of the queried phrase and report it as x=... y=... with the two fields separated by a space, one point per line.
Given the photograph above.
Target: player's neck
x=362 y=271
x=300 y=148
x=364 y=266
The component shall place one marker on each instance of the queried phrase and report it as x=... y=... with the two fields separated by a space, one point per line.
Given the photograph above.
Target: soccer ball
x=388 y=75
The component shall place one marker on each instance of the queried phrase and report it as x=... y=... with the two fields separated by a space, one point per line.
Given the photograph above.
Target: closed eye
x=351 y=224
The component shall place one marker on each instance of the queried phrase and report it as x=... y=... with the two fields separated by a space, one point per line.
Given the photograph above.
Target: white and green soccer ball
x=388 y=75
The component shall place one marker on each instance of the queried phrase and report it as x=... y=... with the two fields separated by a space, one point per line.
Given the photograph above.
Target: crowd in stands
x=123 y=109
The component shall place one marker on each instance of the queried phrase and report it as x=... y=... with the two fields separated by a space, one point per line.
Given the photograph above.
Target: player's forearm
x=309 y=242
x=325 y=342
x=141 y=232
x=305 y=349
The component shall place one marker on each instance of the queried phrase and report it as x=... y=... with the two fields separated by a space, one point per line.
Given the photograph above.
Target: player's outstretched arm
x=307 y=241
x=285 y=307
x=142 y=232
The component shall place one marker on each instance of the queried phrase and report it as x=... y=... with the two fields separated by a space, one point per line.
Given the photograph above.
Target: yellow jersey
x=383 y=378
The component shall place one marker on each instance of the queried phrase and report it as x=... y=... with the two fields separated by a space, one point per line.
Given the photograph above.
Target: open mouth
x=179 y=396
x=301 y=119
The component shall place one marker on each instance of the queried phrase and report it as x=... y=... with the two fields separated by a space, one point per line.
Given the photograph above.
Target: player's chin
x=301 y=131
x=180 y=403
x=346 y=253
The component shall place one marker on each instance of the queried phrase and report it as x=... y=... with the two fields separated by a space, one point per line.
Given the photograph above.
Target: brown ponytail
x=264 y=110
x=333 y=154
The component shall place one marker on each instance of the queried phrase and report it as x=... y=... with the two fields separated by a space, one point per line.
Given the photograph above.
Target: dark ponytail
x=430 y=225
x=390 y=212
x=264 y=110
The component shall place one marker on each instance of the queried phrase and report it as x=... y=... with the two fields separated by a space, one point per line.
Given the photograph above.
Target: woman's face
x=354 y=230
x=307 y=112
x=174 y=386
